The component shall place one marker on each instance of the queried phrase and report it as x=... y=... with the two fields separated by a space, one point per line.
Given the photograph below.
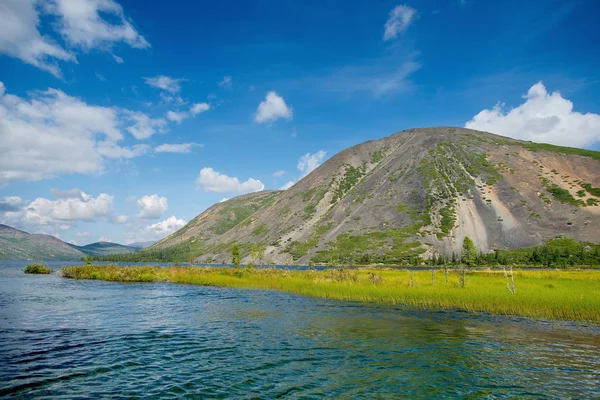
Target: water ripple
x=62 y=338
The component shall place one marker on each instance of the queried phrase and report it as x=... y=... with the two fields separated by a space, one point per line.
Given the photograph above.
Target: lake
x=69 y=338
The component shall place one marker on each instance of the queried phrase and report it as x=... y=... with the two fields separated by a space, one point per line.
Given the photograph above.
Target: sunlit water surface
x=69 y=338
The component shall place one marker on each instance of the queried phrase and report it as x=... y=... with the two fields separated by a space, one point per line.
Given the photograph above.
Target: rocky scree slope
x=413 y=194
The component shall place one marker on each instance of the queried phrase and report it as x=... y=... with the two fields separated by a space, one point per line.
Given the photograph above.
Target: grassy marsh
x=553 y=294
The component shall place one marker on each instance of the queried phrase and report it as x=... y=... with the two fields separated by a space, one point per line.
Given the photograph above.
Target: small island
x=37 y=268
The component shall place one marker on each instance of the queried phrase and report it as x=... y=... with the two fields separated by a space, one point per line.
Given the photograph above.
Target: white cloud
x=543 y=117
x=119 y=219
x=272 y=108
x=176 y=116
x=162 y=229
x=288 y=185
x=81 y=24
x=53 y=133
x=118 y=59
x=143 y=126
x=182 y=148
x=152 y=206
x=105 y=239
x=179 y=116
x=82 y=234
x=213 y=181
x=199 y=108
x=223 y=199
x=277 y=174
x=20 y=38
x=309 y=162
x=10 y=203
x=109 y=150
x=384 y=77
x=70 y=206
x=163 y=82
x=226 y=82
x=399 y=19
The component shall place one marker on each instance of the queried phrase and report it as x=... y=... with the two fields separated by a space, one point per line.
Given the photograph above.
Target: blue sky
x=122 y=120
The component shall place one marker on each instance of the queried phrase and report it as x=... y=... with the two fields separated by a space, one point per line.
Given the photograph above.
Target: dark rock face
x=419 y=191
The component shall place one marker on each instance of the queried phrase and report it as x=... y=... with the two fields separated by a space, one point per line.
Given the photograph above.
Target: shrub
x=37 y=268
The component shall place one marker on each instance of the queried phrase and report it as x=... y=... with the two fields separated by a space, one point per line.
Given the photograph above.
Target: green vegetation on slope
x=352 y=176
x=385 y=247
x=237 y=210
x=572 y=295
x=299 y=249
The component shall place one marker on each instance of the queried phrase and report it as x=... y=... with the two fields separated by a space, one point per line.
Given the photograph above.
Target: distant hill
x=105 y=248
x=416 y=193
x=20 y=245
x=141 y=245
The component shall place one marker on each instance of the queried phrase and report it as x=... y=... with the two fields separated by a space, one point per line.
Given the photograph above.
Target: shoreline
x=552 y=294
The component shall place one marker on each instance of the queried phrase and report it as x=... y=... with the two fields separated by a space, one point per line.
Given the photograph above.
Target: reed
x=552 y=294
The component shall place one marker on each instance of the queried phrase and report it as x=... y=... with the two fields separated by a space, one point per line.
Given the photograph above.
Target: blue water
x=66 y=338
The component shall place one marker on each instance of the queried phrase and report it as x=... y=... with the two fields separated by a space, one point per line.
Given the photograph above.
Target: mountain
x=418 y=192
x=20 y=245
x=105 y=248
x=141 y=245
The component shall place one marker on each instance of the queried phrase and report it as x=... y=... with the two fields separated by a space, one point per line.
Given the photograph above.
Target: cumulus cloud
x=176 y=116
x=53 y=133
x=277 y=174
x=166 y=83
x=70 y=206
x=288 y=185
x=181 y=148
x=309 y=162
x=399 y=19
x=80 y=23
x=143 y=126
x=213 y=181
x=223 y=199
x=152 y=206
x=226 y=82
x=272 y=108
x=162 y=229
x=543 y=117
x=199 y=108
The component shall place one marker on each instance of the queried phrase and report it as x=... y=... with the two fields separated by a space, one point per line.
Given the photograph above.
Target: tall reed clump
x=573 y=295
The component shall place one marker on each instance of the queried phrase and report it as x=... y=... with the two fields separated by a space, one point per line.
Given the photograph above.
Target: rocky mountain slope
x=19 y=245
x=415 y=193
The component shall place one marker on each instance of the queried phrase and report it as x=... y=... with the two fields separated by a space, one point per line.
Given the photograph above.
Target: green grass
x=560 y=149
x=299 y=249
x=594 y=191
x=37 y=268
x=571 y=295
x=262 y=228
x=376 y=157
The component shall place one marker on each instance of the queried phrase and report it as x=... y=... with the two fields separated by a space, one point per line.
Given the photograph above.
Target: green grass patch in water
x=37 y=268
x=553 y=294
